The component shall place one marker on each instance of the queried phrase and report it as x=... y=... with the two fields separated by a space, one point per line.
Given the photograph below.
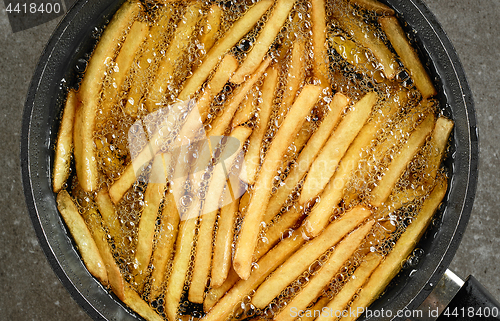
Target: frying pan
x=60 y=68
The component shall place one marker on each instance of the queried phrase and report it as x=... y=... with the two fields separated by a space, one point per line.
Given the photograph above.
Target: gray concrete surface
x=29 y=290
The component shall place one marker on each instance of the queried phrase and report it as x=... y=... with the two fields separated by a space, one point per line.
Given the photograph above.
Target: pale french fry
x=89 y=94
x=313 y=288
x=295 y=77
x=211 y=27
x=401 y=160
x=221 y=123
x=390 y=267
x=210 y=208
x=155 y=191
x=176 y=50
x=364 y=35
x=308 y=155
x=221 y=76
x=216 y=293
x=109 y=216
x=247 y=109
x=303 y=258
x=123 y=63
x=408 y=55
x=316 y=310
x=145 y=65
x=231 y=37
x=266 y=265
x=252 y=157
x=169 y=224
x=336 y=306
x=320 y=214
x=64 y=145
x=319 y=45
x=266 y=37
x=374 y=5
x=222 y=247
x=82 y=236
x=326 y=163
x=136 y=303
x=248 y=236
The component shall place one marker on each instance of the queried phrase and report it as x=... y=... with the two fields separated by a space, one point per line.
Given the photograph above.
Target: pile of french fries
x=217 y=161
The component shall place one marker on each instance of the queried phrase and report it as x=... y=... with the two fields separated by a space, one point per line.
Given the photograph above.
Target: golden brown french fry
x=216 y=293
x=64 y=145
x=211 y=27
x=336 y=306
x=316 y=310
x=89 y=94
x=319 y=45
x=176 y=50
x=247 y=109
x=230 y=38
x=307 y=155
x=439 y=140
x=210 y=208
x=112 y=89
x=155 y=191
x=350 y=51
x=82 y=236
x=303 y=258
x=364 y=35
x=266 y=37
x=401 y=160
x=136 y=303
x=390 y=267
x=223 y=240
x=408 y=55
x=252 y=157
x=145 y=65
x=215 y=85
x=320 y=214
x=266 y=265
x=167 y=234
x=109 y=216
x=374 y=5
x=247 y=239
x=221 y=123
x=326 y=163
x=313 y=288
x=295 y=77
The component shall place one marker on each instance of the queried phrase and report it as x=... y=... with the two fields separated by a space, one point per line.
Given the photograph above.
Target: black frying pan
x=60 y=67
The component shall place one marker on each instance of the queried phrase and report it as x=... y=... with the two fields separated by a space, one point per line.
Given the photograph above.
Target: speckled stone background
x=29 y=289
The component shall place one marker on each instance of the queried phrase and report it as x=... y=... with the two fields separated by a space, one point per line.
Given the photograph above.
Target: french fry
x=210 y=208
x=89 y=94
x=109 y=215
x=176 y=49
x=82 y=236
x=401 y=160
x=252 y=157
x=155 y=191
x=326 y=163
x=355 y=282
x=266 y=37
x=247 y=239
x=247 y=109
x=313 y=288
x=221 y=123
x=231 y=37
x=408 y=55
x=211 y=27
x=303 y=258
x=320 y=213
x=136 y=303
x=439 y=140
x=374 y=5
x=350 y=51
x=222 y=247
x=390 y=267
x=266 y=265
x=145 y=65
x=64 y=145
x=221 y=76
x=167 y=234
x=308 y=155
x=363 y=34
x=216 y=293
x=319 y=45
x=123 y=63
